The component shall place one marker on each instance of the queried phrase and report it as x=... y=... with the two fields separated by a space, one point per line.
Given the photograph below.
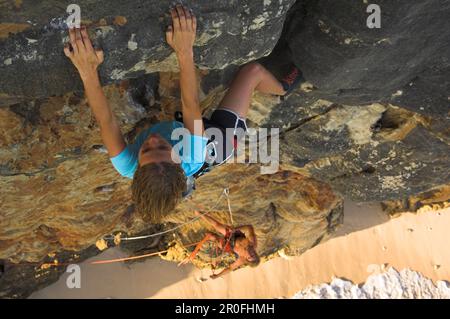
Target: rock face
x=287 y=209
x=132 y=34
x=384 y=134
x=371 y=123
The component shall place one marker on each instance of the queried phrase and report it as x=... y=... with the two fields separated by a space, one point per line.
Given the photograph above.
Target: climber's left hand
x=82 y=54
x=181 y=34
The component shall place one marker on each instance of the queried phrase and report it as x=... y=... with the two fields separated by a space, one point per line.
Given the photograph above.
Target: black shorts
x=223 y=119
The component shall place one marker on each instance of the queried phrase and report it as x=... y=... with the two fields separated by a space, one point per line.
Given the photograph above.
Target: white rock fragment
x=31 y=41
x=393 y=182
x=117 y=74
x=398 y=93
x=132 y=45
x=30 y=56
x=7 y=61
x=259 y=21
x=392 y=284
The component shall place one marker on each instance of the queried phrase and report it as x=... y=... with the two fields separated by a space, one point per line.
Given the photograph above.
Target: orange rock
x=120 y=21
x=8 y=28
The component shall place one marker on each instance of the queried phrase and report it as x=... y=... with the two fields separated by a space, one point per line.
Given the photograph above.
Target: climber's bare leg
x=251 y=77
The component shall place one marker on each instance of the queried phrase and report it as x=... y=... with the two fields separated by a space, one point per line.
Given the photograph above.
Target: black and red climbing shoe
x=292 y=79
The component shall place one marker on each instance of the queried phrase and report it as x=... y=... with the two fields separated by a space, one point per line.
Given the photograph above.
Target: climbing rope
x=224 y=192
x=110 y=261
x=227 y=193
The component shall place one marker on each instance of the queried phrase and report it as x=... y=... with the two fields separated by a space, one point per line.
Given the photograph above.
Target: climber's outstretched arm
x=86 y=59
x=208 y=237
x=181 y=36
x=218 y=226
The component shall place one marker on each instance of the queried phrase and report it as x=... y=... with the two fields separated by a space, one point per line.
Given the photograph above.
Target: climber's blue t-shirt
x=192 y=157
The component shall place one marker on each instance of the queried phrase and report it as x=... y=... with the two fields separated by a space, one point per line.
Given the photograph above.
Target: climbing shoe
x=292 y=79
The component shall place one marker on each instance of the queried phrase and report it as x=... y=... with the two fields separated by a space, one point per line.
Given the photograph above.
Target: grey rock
x=232 y=32
x=405 y=63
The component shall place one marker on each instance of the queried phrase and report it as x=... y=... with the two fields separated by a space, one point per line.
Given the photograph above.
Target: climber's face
x=245 y=249
x=252 y=256
x=155 y=149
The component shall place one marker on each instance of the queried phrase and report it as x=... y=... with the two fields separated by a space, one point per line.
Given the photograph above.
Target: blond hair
x=157 y=189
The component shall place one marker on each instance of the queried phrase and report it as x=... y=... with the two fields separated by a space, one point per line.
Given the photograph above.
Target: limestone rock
x=369 y=153
x=286 y=209
x=376 y=123
x=372 y=123
x=132 y=34
x=432 y=200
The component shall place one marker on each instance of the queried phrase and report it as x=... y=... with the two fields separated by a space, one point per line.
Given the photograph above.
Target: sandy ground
x=419 y=242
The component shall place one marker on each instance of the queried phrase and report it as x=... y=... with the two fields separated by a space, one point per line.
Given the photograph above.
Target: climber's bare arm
x=218 y=226
x=181 y=36
x=249 y=232
x=208 y=237
x=86 y=59
x=238 y=263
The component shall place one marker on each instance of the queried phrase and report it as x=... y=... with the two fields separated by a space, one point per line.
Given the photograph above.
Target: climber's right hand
x=181 y=34
x=82 y=54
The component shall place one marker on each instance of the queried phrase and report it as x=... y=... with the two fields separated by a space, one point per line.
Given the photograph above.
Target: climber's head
x=247 y=250
x=155 y=149
x=252 y=258
x=159 y=182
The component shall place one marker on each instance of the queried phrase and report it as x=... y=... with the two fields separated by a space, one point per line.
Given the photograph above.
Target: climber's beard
x=155 y=149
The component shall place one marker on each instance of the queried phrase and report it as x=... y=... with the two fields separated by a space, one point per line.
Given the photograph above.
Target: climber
x=159 y=173
x=238 y=241
x=159 y=176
